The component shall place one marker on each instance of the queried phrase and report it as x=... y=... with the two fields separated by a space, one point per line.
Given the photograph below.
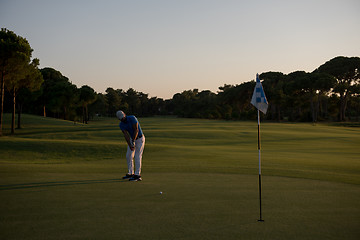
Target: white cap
x=120 y=114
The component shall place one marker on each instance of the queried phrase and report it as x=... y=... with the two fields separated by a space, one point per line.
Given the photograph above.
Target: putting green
x=192 y=206
x=60 y=180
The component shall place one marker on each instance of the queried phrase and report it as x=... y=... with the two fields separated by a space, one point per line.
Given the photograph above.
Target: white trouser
x=135 y=155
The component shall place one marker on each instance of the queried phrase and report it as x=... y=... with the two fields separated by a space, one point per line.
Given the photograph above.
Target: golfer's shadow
x=54 y=184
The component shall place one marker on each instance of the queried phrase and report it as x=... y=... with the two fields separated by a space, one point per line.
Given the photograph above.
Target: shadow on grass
x=55 y=184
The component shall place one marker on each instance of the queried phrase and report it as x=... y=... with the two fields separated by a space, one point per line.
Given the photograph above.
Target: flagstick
x=260 y=220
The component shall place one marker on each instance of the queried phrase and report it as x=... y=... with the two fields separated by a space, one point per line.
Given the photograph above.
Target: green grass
x=62 y=181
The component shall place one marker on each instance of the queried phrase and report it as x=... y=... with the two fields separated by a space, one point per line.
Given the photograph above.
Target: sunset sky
x=163 y=47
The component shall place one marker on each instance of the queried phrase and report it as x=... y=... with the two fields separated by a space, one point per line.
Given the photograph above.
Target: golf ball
x=160 y=192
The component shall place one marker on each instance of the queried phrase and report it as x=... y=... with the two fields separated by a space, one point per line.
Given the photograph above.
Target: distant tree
x=319 y=88
x=156 y=106
x=30 y=83
x=234 y=101
x=16 y=69
x=144 y=104
x=346 y=70
x=87 y=96
x=113 y=99
x=226 y=97
x=100 y=106
x=13 y=83
x=309 y=88
x=133 y=99
x=193 y=104
x=69 y=101
x=15 y=54
x=59 y=96
x=184 y=103
x=297 y=100
x=274 y=88
x=353 y=108
x=207 y=105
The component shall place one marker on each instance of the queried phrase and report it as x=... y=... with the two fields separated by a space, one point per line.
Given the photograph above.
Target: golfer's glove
x=132 y=143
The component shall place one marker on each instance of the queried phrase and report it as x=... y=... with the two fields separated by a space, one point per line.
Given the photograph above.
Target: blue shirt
x=128 y=126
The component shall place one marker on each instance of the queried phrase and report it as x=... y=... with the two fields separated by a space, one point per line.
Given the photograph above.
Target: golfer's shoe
x=136 y=178
x=128 y=176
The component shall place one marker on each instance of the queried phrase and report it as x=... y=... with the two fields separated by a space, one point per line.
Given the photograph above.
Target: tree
x=100 y=106
x=320 y=85
x=156 y=106
x=274 y=88
x=59 y=96
x=234 y=101
x=114 y=101
x=30 y=83
x=346 y=71
x=184 y=103
x=15 y=55
x=297 y=96
x=87 y=96
x=133 y=99
x=206 y=105
x=227 y=97
x=309 y=88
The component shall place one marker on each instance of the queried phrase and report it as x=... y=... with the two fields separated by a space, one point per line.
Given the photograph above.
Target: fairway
x=60 y=180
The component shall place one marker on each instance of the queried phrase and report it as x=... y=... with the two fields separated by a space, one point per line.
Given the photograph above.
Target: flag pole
x=259 y=101
x=259 y=148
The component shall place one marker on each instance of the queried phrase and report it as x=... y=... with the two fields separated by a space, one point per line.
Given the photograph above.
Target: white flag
x=258 y=98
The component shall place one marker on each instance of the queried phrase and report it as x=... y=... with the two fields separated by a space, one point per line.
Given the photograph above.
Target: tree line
x=329 y=93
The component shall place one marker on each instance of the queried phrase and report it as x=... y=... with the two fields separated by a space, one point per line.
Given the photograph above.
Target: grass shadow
x=55 y=184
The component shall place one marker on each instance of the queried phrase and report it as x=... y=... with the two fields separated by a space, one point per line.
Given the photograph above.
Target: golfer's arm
x=136 y=130
x=127 y=137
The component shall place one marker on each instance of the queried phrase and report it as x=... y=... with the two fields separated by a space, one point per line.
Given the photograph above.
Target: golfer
x=135 y=139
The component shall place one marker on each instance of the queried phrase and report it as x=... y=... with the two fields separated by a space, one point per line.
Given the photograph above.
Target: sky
x=164 y=47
